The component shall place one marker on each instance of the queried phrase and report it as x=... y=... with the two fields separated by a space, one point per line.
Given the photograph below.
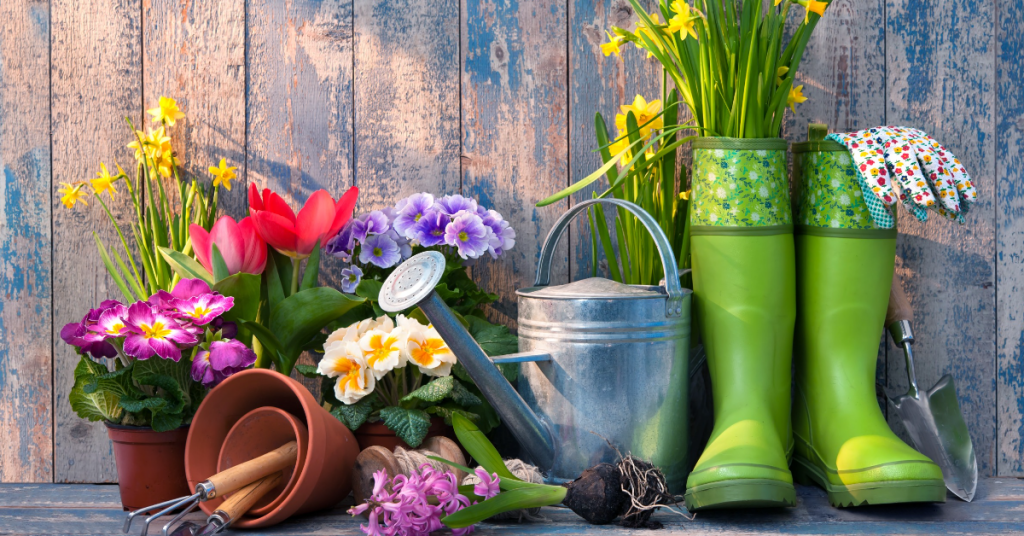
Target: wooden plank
x=514 y=124
x=26 y=384
x=1010 y=238
x=600 y=84
x=941 y=78
x=299 y=105
x=59 y=496
x=96 y=73
x=194 y=52
x=407 y=107
x=996 y=510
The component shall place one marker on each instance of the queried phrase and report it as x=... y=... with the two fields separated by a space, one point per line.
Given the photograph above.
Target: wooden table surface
x=81 y=510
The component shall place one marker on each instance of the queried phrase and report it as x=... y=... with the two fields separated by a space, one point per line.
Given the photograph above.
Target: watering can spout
x=412 y=284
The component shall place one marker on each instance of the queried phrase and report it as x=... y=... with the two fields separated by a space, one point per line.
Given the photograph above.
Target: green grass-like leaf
x=479 y=447
x=185 y=266
x=518 y=499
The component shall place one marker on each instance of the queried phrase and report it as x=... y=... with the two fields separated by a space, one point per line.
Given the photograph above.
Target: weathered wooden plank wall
x=494 y=99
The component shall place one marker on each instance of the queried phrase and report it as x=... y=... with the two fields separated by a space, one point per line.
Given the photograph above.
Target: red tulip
x=319 y=219
x=239 y=244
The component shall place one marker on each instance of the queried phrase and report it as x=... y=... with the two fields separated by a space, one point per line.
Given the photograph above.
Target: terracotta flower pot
x=150 y=465
x=376 y=433
x=325 y=477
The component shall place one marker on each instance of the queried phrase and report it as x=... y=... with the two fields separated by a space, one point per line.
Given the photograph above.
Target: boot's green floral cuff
x=740 y=184
x=828 y=190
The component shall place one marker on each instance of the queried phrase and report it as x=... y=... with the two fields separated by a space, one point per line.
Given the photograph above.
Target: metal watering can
x=609 y=361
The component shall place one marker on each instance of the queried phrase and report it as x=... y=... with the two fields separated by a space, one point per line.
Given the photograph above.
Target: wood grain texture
x=96 y=72
x=941 y=79
x=407 y=107
x=55 y=509
x=26 y=386
x=514 y=124
x=1009 y=194
x=194 y=52
x=599 y=83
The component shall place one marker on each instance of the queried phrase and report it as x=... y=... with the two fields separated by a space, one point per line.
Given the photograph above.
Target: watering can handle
x=673 y=305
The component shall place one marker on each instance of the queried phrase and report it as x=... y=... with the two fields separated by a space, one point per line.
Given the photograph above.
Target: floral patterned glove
x=922 y=169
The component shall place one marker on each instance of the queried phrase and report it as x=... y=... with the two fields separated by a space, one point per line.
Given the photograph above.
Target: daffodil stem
x=295 y=276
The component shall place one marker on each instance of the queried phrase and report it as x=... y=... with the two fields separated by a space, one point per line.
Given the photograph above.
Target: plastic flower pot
x=377 y=434
x=326 y=473
x=150 y=465
x=258 y=432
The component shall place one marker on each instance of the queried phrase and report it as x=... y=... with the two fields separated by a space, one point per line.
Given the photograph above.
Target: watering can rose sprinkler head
x=412 y=284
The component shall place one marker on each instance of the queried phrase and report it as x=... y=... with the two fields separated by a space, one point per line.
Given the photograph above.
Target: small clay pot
x=325 y=477
x=377 y=434
x=150 y=465
x=257 y=433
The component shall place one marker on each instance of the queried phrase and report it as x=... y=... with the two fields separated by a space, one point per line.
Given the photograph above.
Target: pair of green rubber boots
x=762 y=284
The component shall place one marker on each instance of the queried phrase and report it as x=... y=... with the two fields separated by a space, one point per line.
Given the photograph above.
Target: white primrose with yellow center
x=428 y=351
x=382 y=350
x=344 y=360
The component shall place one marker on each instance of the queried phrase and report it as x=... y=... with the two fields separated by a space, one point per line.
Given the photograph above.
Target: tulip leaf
x=369 y=289
x=312 y=273
x=518 y=499
x=185 y=266
x=266 y=338
x=275 y=289
x=220 y=268
x=300 y=316
x=245 y=289
x=479 y=447
x=284 y=269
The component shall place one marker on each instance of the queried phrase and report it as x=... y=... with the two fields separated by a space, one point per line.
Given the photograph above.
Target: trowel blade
x=937 y=429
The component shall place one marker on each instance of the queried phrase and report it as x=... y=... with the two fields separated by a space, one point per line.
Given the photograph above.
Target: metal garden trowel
x=932 y=418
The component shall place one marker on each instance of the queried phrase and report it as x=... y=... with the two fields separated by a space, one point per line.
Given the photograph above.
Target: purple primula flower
x=111 y=323
x=345 y=240
x=403 y=243
x=224 y=358
x=453 y=204
x=468 y=233
x=429 y=231
x=153 y=332
x=376 y=223
x=202 y=309
x=87 y=341
x=380 y=250
x=185 y=289
x=228 y=330
x=410 y=210
x=505 y=234
x=488 y=485
x=350 y=278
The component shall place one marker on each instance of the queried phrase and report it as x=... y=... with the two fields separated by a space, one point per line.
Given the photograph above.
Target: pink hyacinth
x=406 y=509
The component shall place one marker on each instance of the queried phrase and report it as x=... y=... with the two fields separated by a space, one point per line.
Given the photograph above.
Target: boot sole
x=740 y=493
x=891 y=492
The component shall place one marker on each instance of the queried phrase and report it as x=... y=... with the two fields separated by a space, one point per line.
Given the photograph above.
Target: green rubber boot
x=744 y=287
x=844 y=273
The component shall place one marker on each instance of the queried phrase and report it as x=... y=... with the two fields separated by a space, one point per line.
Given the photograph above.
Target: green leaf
x=220 y=268
x=461 y=396
x=518 y=499
x=435 y=391
x=185 y=266
x=449 y=409
x=272 y=280
x=284 y=268
x=312 y=272
x=479 y=447
x=245 y=289
x=369 y=289
x=271 y=345
x=112 y=270
x=495 y=339
x=410 y=425
x=95 y=406
x=302 y=315
x=309 y=371
x=138 y=405
x=118 y=382
x=356 y=414
x=165 y=422
x=462 y=468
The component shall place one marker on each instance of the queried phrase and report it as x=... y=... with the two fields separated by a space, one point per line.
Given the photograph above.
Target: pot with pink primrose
x=143 y=370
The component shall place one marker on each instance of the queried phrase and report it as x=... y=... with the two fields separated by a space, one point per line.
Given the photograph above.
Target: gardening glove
x=923 y=170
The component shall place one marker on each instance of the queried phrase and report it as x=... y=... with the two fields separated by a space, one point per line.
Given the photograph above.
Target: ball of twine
x=524 y=472
x=411 y=460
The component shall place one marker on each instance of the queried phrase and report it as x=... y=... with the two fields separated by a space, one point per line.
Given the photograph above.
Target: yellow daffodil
x=777 y=2
x=683 y=20
x=813 y=6
x=167 y=112
x=780 y=73
x=651 y=33
x=613 y=44
x=223 y=174
x=154 y=144
x=166 y=161
x=644 y=112
x=796 y=96
x=103 y=181
x=72 y=194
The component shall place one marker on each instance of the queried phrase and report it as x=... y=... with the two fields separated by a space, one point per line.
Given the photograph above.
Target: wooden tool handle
x=246 y=473
x=899 y=306
x=242 y=500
